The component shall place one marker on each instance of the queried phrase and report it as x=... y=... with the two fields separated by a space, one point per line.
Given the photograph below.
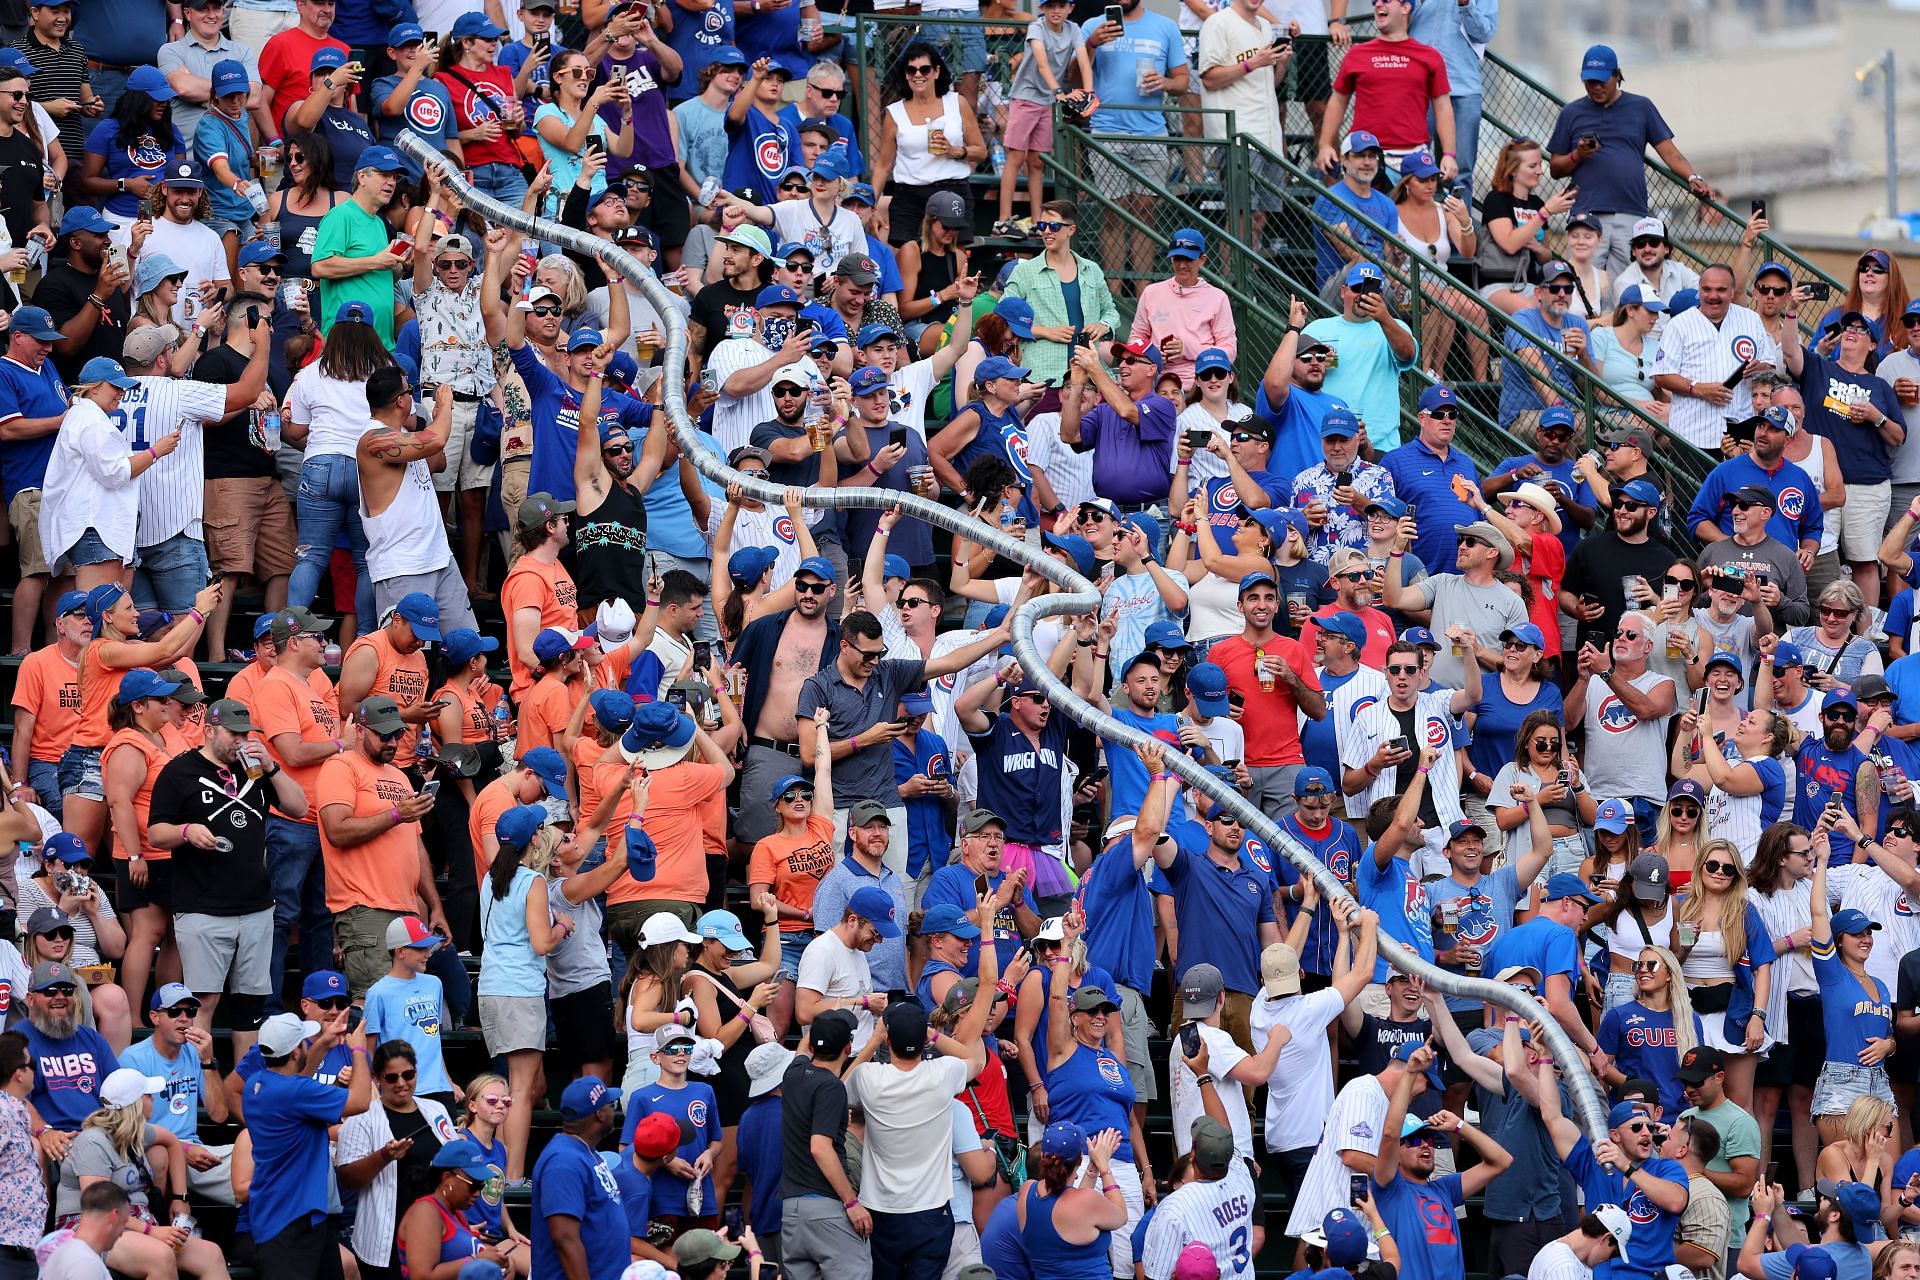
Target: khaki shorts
x=249 y=527
x=23 y=516
x=461 y=471
x=1863 y=518
x=362 y=935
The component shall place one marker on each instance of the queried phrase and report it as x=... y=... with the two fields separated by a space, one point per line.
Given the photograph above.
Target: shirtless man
x=779 y=652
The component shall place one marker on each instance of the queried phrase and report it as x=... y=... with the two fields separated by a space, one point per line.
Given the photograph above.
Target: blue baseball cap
x=1360 y=140
x=1525 y=633
x=475 y=23
x=466 y=1155
x=64 y=846
x=1257 y=578
x=463 y=644
x=868 y=379
x=385 y=159
x=1787 y=654
x=518 y=825
x=832 y=165
x=421 y=613
x=326 y=58
x=1683 y=300
x=589 y=1093
x=85 y=217
x=859 y=192
x=354 y=313
x=1853 y=920
x=152 y=82
x=253 y=252
x=786 y=783
x=1437 y=396
x=1813 y=1263
x=36 y=323
x=70 y=602
x=1419 y=164
x=999 y=367
x=1599 y=63
x=1620 y=1112
x=729 y=56
x=552 y=642
x=18 y=60
x=1212 y=360
x=787 y=249
x=105 y=369
x=894 y=566
x=1148 y=525
x=872 y=333
x=1345 y=625
x=1613 y=817
x=141 y=683
x=1360 y=271
x=775 y=295
x=819 y=566
x=1166 y=634
x=1565 y=884
x=876 y=907
x=1642 y=490
x=1339 y=422
x=1187 y=244
x=919 y=702
x=1420 y=636
x=1634 y=296
x=1387 y=505
x=948 y=918
x=402 y=34
x=171 y=993
x=1556 y=416
x=656 y=726
x=263 y=624
x=550 y=767
x=585 y=338
x=1078 y=549
x=612 y=709
x=749 y=564
x=1838 y=698
x=230 y=76
x=1312 y=781
x=1018 y=313
x=1279 y=521
x=1064 y=1139
x=1347 y=1237
x=1773 y=269
x=724 y=928
x=1207 y=686
x=1556 y=270
x=323 y=984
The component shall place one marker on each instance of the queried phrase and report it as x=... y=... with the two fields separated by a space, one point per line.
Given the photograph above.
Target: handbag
x=483 y=444
x=1009 y=1153
x=759 y=1024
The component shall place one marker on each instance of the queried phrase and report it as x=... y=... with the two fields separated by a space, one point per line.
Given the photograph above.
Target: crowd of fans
x=736 y=830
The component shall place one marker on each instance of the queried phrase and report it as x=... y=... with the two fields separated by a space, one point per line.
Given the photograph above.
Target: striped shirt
x=173 y=490
x=59 y=73
x=1217 y=1214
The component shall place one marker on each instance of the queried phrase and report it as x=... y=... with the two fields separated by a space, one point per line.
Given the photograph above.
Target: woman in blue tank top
x=434 y=1241
x=1067 y=1230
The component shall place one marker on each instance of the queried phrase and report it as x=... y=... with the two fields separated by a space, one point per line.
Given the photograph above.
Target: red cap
x=656 y=1136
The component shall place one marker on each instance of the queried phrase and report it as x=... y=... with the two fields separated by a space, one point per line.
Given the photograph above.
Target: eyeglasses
x=1051 y=226
x=867 y=655
x=1443 y=414
x=1561 y=289
x=1672 y=581
x=186 y=1009
x=1400 y=669
x=1719 y=868
x=914 y=602
x=395 y=1077
x=920 y=69
x=812 y=588
x=1772 y=290
x=546 y=311
x=1646 y=966
x=617 y=448
x=497 y=1099
x=1546 y=744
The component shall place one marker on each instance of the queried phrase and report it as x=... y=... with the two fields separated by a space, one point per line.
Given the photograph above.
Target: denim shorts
x=80 y=774
x=1841 y=1083
x=92 y=549
x=792 y=947
x=243 y=227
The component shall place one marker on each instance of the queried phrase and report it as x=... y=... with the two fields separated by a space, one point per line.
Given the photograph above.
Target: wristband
x=1202 y=1081
x=150 y=451
x=746 y=1013
x=1422 y=770
x=863 y=1002
x=1395 y=555
x=1161 y=777
x=394 y=812
x=197 y=616
x=46 y=1127
x=1381 y=1234
x=849 y=1204
x=357 y=1049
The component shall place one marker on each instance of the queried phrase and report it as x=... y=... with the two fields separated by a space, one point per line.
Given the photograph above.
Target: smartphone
x=906 y=722
x=1400 y=744
x=734 y=1220
x=1230 y=764
x=1818 y=290
x=542 y=40
x=1116 y=14
x=981 y=886
x=354 y=1016
x=1358 y=1188
x=1344 y=479
x=1094 y=776
x=432 y=37
x=1737 y=377
x=1190 y=1038
x=1565 y=778
x=1235 y=699
x=1197 y=440
x=1367 y=286
x=897 y=436
x=253 y=316
x=431 y=789
x=1080 y=338
x=593 y=144
x=1283 y=41
x=702 y=654
x=1760 y=208
x=1413 y=511
x=1741 y=431
x=678 y=697
x=1700 y=702
x=1588 y=140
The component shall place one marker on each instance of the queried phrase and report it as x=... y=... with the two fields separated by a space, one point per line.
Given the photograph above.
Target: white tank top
x=409 y=536
x=1438 y=251
x=1815 y=465
x=1708 y=958
x=914 y=165
x=1624 y=938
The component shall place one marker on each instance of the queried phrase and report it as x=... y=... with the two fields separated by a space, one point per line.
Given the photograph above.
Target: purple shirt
x=1128 y=459
x=652 y=143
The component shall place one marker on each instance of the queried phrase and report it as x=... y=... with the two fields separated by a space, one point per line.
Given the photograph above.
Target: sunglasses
x=497 y=1099
x=265 y=270
x=1638 y=1126
x=793 y=186
x=1051 y=226
x=1467 y=541
x=678 y=1047
x=395 y=736
x=828 y=93
x=914 y=602
x=189 y=1009
x=1719 y=868
x=1646 y=966
x=1842 y=714
x=1896 y=831
x=796 y=795
x=1420 y=1140
x=1090 y=517
x=395 y=1077
x=1629 y=635
x=1443 y=415
x=1772 y=290
x=787 y=391
x=58 y=989
x=334 y=1004
x=617 y=448
x=1562 y=289
x=546 y=311
x=1828 y=611
x=1684 y=810
x=867 y=655
x=920 y=69
x=1317 y=357
x=813 y=588
x=63 y=934
x=1870 y=268
x=1360 y=575
x=1213 y=375
x=1672 y=581
x=1515 y=644
x=1400 y=669
x=453 y=264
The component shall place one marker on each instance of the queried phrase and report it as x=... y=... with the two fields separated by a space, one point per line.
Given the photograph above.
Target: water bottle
x=1006 y=513
x=999 y=157
x=270 y=429
x=426 y=740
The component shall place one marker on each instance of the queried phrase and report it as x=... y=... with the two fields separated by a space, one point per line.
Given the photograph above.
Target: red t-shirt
x=1271 y=721
x=479 y=96
x=1391 y=82
x=1545 y=564
x=286 y=67
x=1380 y=634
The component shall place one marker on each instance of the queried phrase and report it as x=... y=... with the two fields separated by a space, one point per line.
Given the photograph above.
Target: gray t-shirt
x=93 y=1156
x=1027 y=84
x=1774 y=558
x=75 y=1259
x=579 y=963
x=1489 y=610
x=866 y=774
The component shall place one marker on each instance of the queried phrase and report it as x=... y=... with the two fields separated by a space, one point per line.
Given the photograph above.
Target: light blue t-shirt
x=703 y=139
x=1334 y=206
x=411 y=1009
x=1367 y=377
x=1519 y=390
x=177 y=1110
x=1133 y=602
x=565 y=165
x=1150 y=39
x=1486 y=911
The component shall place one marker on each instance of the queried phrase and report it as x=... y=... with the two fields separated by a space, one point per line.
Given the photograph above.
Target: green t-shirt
x=1739 y=1136
x=348 y=231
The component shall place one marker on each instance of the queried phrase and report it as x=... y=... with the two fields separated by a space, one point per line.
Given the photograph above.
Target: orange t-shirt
x=383 y=873
x=677 y=822
x=246 y=681
x=494 y=799
x=476 y=714
x=794 y=866
x=98 y=683
x=535 y=584
x=544 y=712
x=612 y=670
x=595 y=779
x=48 y=688
x=400 y=676
x=154 y=756
x=193 y=729
x=284 y=704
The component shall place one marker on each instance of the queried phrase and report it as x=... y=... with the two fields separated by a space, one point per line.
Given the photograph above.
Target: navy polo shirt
x=1614 y=178
x=1423 y=477
x=1220 y=911
x=1021 y=782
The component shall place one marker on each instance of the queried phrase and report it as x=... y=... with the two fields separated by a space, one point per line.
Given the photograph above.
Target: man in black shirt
x=743 y=254
x=87 y=295
x=824 y=1227
x=210 y=807
x=1600 y=561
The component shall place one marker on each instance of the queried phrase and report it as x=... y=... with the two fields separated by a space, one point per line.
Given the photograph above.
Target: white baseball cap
x=126 y=1086
x=1618 y=1225
x=664 y=926
x=1649 y=227
x=613 y=624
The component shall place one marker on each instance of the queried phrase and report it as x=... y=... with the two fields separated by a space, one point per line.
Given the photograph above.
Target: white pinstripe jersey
x=1217 y=1214
x=173 y=490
